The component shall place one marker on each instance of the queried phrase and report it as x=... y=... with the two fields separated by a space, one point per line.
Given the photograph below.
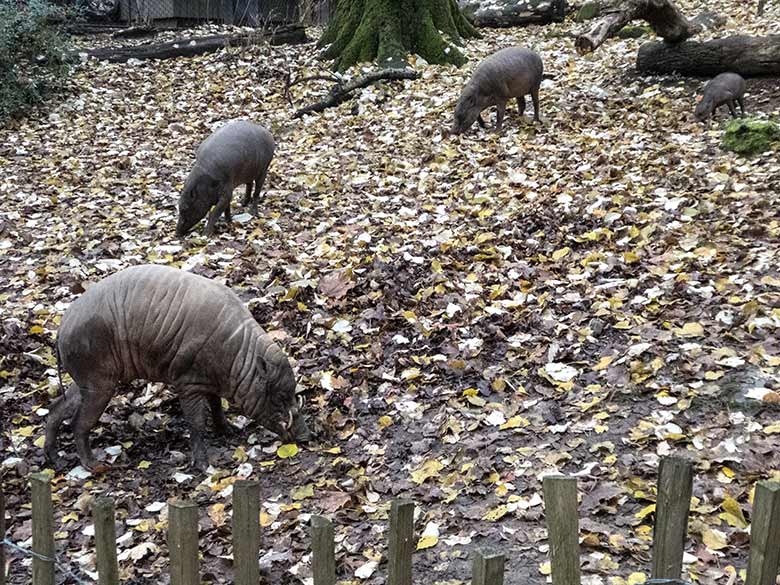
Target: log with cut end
x=197 y=46
x=663 y=16
x=505 y=13
x=746 y=55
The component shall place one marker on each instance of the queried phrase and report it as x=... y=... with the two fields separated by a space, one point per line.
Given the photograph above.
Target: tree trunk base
x=746 y=55
x=385 y=32
x=666 y=19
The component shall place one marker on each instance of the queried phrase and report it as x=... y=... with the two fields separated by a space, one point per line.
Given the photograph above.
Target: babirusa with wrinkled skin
x=513 y=72
x=725 y=88
x=239 y=153
x=166 y=325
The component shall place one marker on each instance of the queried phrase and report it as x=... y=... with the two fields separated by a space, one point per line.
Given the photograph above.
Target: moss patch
x=634 y=32
x=589 y=11
x=751 y=136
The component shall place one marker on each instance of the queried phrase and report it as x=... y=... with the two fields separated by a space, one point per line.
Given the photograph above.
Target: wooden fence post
x=323 y=550
x=764 y=535
x=42 y=530
x=560 y=509
x=246 y=532
x=675 y=485
x=105 y=541
x=2 y=535
x=487 y=569
x=183 y=543
x=401 y=543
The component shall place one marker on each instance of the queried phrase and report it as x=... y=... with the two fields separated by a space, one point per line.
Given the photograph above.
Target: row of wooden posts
x=675 y=486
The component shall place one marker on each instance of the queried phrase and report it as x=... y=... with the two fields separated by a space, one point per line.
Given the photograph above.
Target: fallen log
x=505 y=13
x=291 y=35
x=342 y=92
x=663 y=16
x=746 y=55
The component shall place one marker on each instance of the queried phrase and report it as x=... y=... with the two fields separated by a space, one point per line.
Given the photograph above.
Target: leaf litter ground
x=465 y=314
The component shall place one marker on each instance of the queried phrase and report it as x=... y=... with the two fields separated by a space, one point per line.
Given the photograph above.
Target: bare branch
x=342 y=92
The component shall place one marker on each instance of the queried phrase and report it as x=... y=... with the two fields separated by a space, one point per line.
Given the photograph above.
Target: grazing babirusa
x=166 y=325
x=513 y=72
x=725 y=88
x=238 y=153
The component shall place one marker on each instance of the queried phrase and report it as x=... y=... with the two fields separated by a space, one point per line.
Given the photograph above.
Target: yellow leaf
x=36 y=330
x=733 y=513
x=25 y=431
x=714 y=539
x=427 y=542
x=72 y=517
x=690 y=330
x=770 y=280
x=303 y=492
x=385 y=421
x=428 y=469
x=630 y=258
x=560 y=253
x=144 y=464
x=728 y=472
x=39 y=442
x=266 y=519
x=495 y=514
x=436 y=266
x=544 y=568
x=515 y=422
x=772 y=429
x=217 y=514
x=645 y=511
x=636 y=579
x=240 y=455
x=603 y=363
x=287 y=451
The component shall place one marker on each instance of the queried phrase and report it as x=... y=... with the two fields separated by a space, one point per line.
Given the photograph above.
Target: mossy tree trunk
x=386 y=31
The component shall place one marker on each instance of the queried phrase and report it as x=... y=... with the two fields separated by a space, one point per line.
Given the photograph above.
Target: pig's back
x=238 y=150
x=728 y=81
x=137 y=322
x=513 y=70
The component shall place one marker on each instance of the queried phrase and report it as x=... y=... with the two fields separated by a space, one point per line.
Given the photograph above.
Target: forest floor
x=465 y=314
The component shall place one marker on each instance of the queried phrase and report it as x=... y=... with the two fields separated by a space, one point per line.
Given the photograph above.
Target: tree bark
x=341 y=93
x=387 y=31
x=195 y=46
x=504 y=13
x=663 y=16
x=746 y=55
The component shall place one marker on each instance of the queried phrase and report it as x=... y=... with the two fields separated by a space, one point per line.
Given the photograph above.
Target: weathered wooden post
x=401 y=543
x=323 y=550
x=105 y=541
x=246 y=532
x=487 y=569
x=675 y=485
x=183 y=543
x=560 y=509
x=764 y=535
x=42 y=530
x=2 y=535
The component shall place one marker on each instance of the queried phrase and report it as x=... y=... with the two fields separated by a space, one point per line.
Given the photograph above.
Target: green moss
x=634 y=32
x=750 y=136
x=589 y=11
x=388 y=30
